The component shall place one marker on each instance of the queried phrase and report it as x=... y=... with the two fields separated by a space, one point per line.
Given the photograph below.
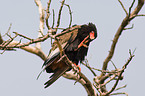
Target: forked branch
x=124 y=23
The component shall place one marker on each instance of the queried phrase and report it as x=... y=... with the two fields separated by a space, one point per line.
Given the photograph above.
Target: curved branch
x=124 y=23
x=70 y=14
x=59 y=16
x=123 y=7
x=120 y=74
x=30 y=49
x=25 y=44
x=83 y=80
x=138 y=7
x=48 y=14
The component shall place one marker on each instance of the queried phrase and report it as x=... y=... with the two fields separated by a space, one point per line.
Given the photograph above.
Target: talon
x=77 y=67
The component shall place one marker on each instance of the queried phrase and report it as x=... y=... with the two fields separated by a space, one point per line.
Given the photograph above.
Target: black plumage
x=75 y=45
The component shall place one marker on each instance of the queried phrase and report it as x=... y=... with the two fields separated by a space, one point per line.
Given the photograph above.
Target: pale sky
x=19 y=69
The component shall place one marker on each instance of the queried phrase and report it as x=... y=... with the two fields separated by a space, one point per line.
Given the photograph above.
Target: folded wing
x=51 y=65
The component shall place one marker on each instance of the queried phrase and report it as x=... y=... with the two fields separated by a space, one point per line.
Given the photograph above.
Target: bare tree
x=99 y=86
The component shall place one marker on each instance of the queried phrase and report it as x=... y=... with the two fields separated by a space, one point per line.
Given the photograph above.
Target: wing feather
x=56 y=75
x=65 y=41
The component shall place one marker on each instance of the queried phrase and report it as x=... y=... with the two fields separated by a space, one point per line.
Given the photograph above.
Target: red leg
x=82 y=43
x=77 y=66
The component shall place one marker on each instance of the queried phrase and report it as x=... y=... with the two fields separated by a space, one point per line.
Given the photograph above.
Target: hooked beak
x=92 y=35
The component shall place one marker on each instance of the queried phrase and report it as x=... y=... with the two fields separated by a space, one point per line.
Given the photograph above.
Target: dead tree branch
x=124 y=23
x=120 y=74
x=48 y=14
x=105 y=77
x=129 y=16
x=59 y=15
x=123 y=7
x=70 y=14
x=41 y=26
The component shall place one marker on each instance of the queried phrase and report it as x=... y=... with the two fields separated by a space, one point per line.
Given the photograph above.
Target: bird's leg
x=83 y=43
x=78 y=76
x=77 y=66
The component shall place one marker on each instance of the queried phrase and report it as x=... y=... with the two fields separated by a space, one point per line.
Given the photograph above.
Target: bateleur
x=75 y=46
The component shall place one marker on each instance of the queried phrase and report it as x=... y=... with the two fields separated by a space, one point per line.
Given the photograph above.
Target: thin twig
x=103 y=71
x=3 y=51
x=8 y=32
x=113 y=64
x=87 y=65
x=19 y=42
x=48 y=14
x=40 y=39
x=53 y=18
x=102 y=79
x=140 y=15
x=22 y=36
x=119 y=93
x=120 y=74
x=7 y=43
x=112 y=78
x=98 y=89
x=123 y=7
x=131 y=7
x=59 y=15
x=120 y=88
x=70 y=14
x=129 y=27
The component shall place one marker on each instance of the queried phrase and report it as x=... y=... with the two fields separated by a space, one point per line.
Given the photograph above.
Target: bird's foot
x=77 y=67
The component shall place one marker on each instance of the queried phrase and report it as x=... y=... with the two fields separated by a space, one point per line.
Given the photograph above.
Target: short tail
x=56 y=75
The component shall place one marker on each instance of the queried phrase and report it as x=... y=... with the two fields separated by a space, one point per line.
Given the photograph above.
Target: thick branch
x=137 y=9
x=30 y=49
x=124 y=23
x=83 y=80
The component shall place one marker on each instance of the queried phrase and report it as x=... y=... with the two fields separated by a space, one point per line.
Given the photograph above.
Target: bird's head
x=92 y=31
x=87 y=31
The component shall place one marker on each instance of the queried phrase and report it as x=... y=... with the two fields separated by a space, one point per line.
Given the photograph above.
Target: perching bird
x=75 y=45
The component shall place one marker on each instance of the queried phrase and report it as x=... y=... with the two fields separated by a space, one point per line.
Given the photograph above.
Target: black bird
x=75 y=45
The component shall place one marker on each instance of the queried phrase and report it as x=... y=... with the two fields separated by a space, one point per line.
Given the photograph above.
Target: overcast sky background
x=19 y=70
